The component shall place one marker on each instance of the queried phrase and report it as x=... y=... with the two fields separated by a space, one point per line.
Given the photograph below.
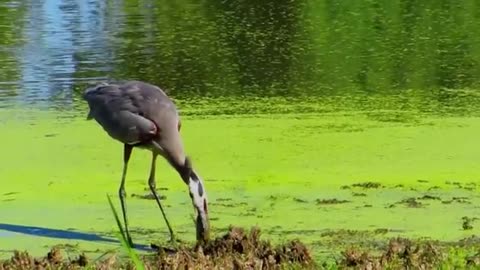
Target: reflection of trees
x=238 y=46
x=379 y=45
x=174 y=45
x=11 y=18
x=282 y=46
x=185 y=46
x=262 y=39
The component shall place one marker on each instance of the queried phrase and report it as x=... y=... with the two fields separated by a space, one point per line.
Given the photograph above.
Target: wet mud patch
x=416 y=202
x=330 y=201
x=461 y=200
x=365 y=185
x=299 y=200
x=409 y=202
x=236 y=249
x=467 y=222
x=467 y=186
x=148 y=196
x=429 y=197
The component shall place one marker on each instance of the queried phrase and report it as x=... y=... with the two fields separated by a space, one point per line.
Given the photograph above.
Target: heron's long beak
x=200 y=203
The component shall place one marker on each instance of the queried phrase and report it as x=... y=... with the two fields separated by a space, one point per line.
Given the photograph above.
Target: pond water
x=285 y=103
x=51 y=48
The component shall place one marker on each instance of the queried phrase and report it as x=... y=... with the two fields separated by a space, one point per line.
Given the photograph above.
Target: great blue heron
x=141 y=115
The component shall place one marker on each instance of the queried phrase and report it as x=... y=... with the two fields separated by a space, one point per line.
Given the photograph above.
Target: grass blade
x=131 y=253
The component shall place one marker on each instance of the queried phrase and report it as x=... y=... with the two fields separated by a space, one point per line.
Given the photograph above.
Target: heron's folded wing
x=130 y=127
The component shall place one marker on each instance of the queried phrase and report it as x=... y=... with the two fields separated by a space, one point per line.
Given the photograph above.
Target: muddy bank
x=401 y=253
x=237 y=249
x=240 y=249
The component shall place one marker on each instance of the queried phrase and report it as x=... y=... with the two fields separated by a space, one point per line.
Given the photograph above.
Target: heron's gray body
x=135 y=113
x=139 y=114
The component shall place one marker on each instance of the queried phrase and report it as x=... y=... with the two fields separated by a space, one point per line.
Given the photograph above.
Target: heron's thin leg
x=127 y=151
x=152 y=185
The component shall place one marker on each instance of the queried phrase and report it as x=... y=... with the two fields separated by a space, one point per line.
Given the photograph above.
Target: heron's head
x=198 y=195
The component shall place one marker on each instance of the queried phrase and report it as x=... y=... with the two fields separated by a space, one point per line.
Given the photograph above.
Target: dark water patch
x=55 y=233
x=422 y=181
x=11 y=193
x=359 y=194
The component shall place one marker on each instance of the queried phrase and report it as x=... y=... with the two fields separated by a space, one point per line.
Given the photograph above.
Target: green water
x=260 y=169
x=283 y=103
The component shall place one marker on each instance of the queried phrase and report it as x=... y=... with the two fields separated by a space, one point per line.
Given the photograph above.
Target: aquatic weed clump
x=237 y=249
x=53 y=260
x=399 y=254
